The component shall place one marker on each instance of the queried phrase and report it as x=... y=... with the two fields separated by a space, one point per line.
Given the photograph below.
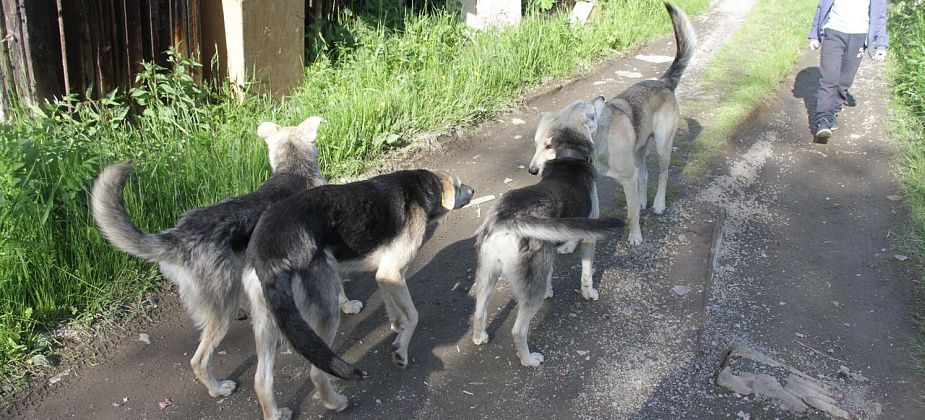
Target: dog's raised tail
x=277 y=289
x=108 y=207
x=686 y=42
x=563 y=229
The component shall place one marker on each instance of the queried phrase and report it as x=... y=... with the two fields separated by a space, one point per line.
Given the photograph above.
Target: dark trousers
x=840 y=58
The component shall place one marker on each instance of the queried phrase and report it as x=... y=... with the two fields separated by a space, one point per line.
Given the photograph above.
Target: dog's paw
x=338 y=403
x=658 y=208
x=396 y=326
x=549 y=293
x=479 y=338
x=282 y=413
x=532 y=360
x=590 y=293
x=351 y=307
x=400 y=359
x=567 y=248
x=225 y=388
x=635 y=239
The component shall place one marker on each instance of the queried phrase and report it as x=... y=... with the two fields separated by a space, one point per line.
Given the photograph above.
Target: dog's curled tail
x=563 y=229
x=108 y=207
x=686 y=42
x=277 y=290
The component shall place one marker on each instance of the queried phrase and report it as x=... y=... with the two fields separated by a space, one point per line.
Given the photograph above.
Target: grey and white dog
x=204 y=253
x=518 y=237
x=300 y=245
x=643 y=115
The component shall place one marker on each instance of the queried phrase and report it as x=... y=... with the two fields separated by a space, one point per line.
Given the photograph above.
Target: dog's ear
x=447 y=189
x=267 y=129
x=310 y=127
x=599 y=103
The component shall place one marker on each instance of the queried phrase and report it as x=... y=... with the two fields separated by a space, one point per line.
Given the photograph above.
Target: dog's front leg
x=391 y=282
x=587 y=253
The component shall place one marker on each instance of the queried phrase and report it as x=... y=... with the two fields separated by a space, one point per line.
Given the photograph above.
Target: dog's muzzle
x=533 y=170
x=464 y=195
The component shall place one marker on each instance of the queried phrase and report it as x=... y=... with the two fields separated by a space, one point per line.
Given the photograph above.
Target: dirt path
x=789 y=252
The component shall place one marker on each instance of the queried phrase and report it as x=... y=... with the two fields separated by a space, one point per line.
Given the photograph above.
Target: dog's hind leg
x=347 y=305
x=664 y=138
x=320 y=308
x=267 y=338
x=642 y=158
x=567 y=248
x=216 y=326
x=631 y=189
x=529 y=289
x=486 y=278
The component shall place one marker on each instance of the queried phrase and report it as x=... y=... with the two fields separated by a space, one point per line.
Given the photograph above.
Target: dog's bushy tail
x=277 y=290
x=562 y=229
x=686 y=41
x=108 y=207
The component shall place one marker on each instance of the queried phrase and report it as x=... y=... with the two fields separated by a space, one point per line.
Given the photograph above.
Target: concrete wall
x=481 y=14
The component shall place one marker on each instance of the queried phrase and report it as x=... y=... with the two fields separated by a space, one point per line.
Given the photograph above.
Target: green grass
x=907 y=52
x=194 y=145
x=746 y=72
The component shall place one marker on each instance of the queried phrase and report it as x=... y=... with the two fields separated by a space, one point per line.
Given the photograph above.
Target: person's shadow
x=805 y=87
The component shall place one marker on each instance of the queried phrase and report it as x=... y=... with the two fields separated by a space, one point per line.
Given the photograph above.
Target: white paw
x=351 y=307
x=479 y=338
x=532 y=360
x=567 y=248
x=225 y=388
x=635 y=239
x=659 y=208
x=282 y=413
x=338 y=403
x=549 y=293
x=590 y=293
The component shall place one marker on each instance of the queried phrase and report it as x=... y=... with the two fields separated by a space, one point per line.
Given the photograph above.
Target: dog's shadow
x=805 y=87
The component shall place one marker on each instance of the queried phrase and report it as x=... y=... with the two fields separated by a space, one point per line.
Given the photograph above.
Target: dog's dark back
x=231 y=222
x=352 y=219
x=564 y=191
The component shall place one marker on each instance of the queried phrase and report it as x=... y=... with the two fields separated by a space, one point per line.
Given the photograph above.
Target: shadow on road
x=805 y=87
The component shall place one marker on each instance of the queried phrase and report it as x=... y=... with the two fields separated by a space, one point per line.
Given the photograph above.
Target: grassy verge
x=193 y=145
x=907 y=51
x=746 y=72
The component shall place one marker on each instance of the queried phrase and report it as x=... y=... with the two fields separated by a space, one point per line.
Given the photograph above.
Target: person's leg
x=827 y=98
x=850 y=63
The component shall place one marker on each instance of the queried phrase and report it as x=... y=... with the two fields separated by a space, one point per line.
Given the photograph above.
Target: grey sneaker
x=823 y=130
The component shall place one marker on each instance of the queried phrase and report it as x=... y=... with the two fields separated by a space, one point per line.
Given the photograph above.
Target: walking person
x=844 y=29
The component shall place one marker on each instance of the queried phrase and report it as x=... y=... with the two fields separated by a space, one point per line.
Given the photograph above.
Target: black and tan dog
x=520 y=234
x=301 y=243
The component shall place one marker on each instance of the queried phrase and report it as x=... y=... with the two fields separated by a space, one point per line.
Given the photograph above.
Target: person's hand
x=880 y=55
x=814 y=44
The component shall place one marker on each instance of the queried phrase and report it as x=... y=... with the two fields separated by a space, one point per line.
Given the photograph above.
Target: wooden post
x=265 y=43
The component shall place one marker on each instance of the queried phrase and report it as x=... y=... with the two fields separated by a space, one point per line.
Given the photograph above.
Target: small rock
x=223 y=352
x=800 y=335
x=518 y=121
x=629 y=74
x=894 y=197
x=682 y=237
x=681 y=290
x=144 y=338
x=900 y=257
x=57 y=378
x=581 y=352
x=508 y=180
x=40 y=361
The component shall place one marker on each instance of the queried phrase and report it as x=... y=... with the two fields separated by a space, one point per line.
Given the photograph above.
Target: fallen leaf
x=900 y=257
x=164 y=404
